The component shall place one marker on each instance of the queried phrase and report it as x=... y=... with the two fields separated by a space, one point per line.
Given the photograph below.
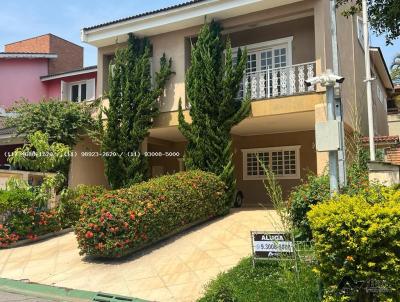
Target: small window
x=379 y=93
x=81 y=91
x=360 y=31
x=283 y=161
x=75 y=93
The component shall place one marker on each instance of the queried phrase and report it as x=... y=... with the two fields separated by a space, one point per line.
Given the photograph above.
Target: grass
x=268 y=281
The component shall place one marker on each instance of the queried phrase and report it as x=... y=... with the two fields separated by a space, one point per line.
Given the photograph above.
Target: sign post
x=272 y=246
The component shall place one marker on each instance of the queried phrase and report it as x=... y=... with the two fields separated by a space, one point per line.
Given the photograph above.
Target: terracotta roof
x=394 y=139
x=145 y=14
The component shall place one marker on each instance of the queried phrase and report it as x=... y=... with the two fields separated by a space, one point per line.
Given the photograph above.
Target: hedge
x=358 y=238
x=27 y=219
x=121 y=221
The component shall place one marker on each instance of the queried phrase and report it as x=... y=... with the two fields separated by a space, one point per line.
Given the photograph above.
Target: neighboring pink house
x=42 y=67
x=46 y=66
x=20 y=76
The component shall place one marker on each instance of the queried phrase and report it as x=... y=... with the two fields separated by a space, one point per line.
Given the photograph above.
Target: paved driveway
x=175 y=270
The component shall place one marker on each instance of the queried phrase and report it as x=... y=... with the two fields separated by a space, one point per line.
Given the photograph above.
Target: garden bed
x=24 y=242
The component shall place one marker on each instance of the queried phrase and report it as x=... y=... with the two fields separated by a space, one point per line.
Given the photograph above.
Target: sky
x=22 y=19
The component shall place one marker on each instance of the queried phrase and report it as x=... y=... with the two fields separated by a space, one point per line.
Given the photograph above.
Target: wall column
x=322 y=157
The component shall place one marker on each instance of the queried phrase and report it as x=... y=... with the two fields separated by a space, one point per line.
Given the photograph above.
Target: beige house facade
x=287 y=41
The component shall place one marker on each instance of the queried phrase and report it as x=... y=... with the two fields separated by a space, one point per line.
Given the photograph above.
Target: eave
x=182 y=17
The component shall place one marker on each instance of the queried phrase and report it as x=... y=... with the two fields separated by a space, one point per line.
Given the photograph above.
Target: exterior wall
x=20 y=78
x=352 y=67
x=54 y=86
x=70 y=55
x=394 y=124
x=380 y=108
x=86 y=170
x=270 y=24
x=39 y=44
x=170 y=165
x=302 y=31
x=253 y=190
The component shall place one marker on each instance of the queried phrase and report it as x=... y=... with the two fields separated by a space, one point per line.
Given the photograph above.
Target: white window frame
x=360 y=31
x=80 y=83
x=379 y=92
x=268 y=45
x=270 y=150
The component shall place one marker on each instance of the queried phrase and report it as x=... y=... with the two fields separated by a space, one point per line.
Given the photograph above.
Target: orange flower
x=349 y=258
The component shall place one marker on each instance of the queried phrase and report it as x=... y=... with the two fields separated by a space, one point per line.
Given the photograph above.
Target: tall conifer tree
x=133 y=106
x=212 y=84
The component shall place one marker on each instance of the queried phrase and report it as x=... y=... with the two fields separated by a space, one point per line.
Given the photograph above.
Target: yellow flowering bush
x=358 y=237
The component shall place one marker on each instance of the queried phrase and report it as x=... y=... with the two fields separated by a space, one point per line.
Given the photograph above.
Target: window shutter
x=64 y=91
x=91 y=89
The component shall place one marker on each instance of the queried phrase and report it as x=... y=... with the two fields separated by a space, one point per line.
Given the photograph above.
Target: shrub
x=25 y=213
x=6 y=237
x=117 y=222
x=272 y=281
x=31 y=223
x=360 y=239
x=311 y=192
x=15 y=199
x=72 y=199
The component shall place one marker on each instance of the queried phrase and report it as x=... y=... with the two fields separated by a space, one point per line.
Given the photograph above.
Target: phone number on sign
x=129 y=154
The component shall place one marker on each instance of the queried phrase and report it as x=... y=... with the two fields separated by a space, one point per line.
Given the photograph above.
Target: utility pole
x=331 y=108
x=368 y=80
x=341 y=155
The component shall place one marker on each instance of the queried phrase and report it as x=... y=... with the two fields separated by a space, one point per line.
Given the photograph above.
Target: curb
x=58 y=293
x=45 y=291
x=39 y=238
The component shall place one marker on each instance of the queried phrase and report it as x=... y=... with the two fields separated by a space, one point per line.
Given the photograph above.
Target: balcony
x=278 y=82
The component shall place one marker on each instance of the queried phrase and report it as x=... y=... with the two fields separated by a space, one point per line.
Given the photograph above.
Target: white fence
x=276 y=82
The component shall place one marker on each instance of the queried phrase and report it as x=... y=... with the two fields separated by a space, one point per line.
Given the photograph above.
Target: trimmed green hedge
x=118 y=222
x=358 y=237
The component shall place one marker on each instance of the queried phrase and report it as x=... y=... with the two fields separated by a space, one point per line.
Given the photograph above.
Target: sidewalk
x=175 y=270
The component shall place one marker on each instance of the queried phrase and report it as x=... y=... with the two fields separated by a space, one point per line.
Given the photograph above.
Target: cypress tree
x=212 y=83
x=132 y=108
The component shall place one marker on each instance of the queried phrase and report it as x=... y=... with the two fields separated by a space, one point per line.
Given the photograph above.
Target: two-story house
x=37 y=68
x=287 y=41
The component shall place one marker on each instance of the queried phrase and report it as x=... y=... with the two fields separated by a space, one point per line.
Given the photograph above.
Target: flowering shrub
x=357 y=238
x=117 y=222
x=6 y=237
x=72 y=200
x=31 y=223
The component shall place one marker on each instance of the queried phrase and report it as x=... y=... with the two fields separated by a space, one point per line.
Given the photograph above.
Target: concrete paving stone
x=175 y=270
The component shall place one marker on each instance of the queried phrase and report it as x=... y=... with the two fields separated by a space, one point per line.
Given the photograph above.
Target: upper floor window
x=264 y=66
x=360 y=31
x=78 y=91
x=379 y=93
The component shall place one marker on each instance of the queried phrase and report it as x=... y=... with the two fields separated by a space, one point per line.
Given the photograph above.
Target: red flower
x=89 y=235
x=132 y=216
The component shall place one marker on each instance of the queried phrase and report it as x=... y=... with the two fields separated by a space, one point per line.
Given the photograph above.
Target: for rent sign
x=272 y=245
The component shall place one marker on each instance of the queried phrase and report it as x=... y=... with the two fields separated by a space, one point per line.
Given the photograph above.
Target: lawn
x=268 y=281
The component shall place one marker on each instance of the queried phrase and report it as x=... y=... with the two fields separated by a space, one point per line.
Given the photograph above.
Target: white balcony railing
x=276 y=82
